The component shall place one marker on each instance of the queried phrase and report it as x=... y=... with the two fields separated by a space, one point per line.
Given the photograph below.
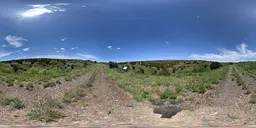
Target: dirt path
x=105 y=104
x=227 y=105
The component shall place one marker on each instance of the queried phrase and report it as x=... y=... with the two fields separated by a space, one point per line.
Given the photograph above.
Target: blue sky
x=125 y=30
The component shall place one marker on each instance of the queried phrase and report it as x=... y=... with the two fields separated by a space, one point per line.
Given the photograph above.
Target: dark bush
x=112 y=65
x=215 y=65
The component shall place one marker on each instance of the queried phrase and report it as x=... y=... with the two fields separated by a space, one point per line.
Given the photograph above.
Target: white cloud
x=118 y=48
x=63 y=49
x=15 y=41
x=56 y=57
x=4 y=45
x=36 y=12
x=242 y=53
x=166 y=42
x=87 y=56
x=63 y=39
x=75 y=48
x=109 y=47
x=83 y=6
x=3 y=54
x=26 y=49
x=40 y=9
x=57 y=51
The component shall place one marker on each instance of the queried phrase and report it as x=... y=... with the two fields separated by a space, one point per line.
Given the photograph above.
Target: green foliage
x=6 y=68
x=112 y=65
x=45 y=115
x=49 y=84
x=215 y=65
x=168 y=94
x=29 y=86
x=68 y=78
x=164 y=72
x=15 y=102
x=52 y=103
x=73 y=95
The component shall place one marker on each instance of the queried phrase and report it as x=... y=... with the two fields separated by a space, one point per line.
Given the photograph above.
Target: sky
x=128 y=30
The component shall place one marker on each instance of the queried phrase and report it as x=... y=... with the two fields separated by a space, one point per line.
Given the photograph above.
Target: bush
x=58 y=82
x=164 y=72
x=49 y=84
x=253 y=99
x=15 y=102
x=29 y=86
x=112 y=65
x=168 y=94
x=73 y=95
x=67 y=78
x=54 y=103
x=215 y=65
x=45 y=115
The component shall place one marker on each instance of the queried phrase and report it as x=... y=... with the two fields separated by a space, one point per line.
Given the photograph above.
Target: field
x=64 y=91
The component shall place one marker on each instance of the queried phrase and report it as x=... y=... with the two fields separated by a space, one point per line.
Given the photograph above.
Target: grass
x=15 y=102
x=45 y=114
x=235 y=117
x=73 y=95
x=91 y=79
x=49 y=84
x=53 y=103
x=166 y=87
x=29 y=86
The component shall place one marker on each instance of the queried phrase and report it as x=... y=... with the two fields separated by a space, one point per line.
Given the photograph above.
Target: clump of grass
x=234 y=117
x=58 y=82
x=73 y=95
x=15 y=102
x=52 y=103
x=45 y=115
x=10 y=82
x=91 y=79
x=168 y=94
x=49 y=84
x=68 y=78
x=21 y=85
x=29 y=86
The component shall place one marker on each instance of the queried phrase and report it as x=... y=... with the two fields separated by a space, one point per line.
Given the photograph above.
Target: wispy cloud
x=15 y=41
x=87 y=56
x=63 y=49
x=63 y=39
x=3 y=54
x=166 y=42
x=4 y=45
x=40 y=9
x=56 y=57
x=242 y=53
x=109 y=47
x=118 y=48
x=26 y=49
x=75 y=48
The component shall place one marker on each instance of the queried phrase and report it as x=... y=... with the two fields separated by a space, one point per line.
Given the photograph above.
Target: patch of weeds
x=49 y=84
x=58 y=82
x=54 y=103
x=67 y=78
x=29 y=86
x=179 y=90
x=73 y=95
x=15 y=102
x=21 y=85
x=157 y=101
x=168 y=94
x=10 y=82
x=234 y=117
x=91 y=79
x=45 y=115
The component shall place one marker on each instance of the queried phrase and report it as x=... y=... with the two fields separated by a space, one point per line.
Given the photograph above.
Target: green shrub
x=54 y=103
x=49 y=84
x=215 y=65
x=157 y=101
x=29 y=86
x=73 y=95
x=15 y=102
x=164 y=72
x=67 y=78
x=179 y=90
x=45 y=115
x=58 y=82
x=112 y=65
x=168 y=94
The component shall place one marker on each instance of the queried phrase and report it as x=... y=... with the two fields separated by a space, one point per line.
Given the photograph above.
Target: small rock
x=16 y=116
x=131 y=104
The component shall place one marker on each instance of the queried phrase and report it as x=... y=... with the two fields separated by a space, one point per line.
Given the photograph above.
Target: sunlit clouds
x=15 y=41
x=40 y=9
x=225 y=55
